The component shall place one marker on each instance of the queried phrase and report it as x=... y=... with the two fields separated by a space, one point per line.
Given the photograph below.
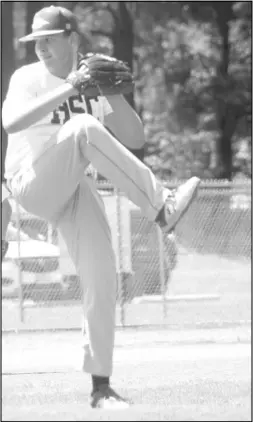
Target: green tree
x=228 y=92
x=194 y=82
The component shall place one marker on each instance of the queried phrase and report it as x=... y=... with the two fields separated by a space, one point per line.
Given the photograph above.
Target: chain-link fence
x=198 y=276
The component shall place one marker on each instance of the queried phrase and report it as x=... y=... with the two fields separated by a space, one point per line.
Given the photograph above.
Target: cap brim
x=39 y=34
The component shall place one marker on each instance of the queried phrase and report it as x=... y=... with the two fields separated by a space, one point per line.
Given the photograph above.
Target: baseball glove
x=98 y=74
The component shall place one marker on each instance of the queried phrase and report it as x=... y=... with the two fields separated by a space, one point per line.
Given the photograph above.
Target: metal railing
x=199 y=275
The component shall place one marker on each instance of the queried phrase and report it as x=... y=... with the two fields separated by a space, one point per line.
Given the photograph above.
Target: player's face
x=56 y=52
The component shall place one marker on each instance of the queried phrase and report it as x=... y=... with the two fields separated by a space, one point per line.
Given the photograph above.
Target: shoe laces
x=170 y=202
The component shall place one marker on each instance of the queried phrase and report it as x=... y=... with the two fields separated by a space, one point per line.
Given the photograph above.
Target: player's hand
x=79 y=78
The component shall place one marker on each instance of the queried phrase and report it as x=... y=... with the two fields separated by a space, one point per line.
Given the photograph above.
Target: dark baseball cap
x=51 y=20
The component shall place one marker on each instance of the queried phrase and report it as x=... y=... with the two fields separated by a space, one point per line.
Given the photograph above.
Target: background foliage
x=192 y=65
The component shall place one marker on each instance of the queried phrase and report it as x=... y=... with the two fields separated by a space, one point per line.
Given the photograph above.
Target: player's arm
x=34 y=110
x=125 y=124
x=21 y=110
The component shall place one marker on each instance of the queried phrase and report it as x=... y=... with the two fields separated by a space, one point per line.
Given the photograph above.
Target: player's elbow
x=11 y=124
x=9 y=129
x=7 y=122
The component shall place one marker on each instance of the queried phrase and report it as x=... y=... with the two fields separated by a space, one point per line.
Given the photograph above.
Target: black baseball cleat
x=106 y=398
x=176 y=205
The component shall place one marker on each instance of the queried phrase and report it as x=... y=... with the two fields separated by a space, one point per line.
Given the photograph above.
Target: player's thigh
x=86 y=232
x=46 y=188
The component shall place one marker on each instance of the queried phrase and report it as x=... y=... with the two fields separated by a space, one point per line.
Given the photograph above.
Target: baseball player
x=53 y=137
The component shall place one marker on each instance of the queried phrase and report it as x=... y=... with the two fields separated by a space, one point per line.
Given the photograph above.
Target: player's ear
x=74 y=39
x=74 y=42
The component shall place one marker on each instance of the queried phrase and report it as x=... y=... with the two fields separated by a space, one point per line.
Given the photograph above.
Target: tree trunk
x=8 y=64
x=227 y=128
x=123 y=39
x=31 y=8
x=225 y=112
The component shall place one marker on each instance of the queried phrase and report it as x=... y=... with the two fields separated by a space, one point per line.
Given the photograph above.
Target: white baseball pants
x=56 y=189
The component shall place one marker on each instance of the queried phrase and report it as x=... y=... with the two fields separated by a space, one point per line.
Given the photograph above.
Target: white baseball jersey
x=29 y=82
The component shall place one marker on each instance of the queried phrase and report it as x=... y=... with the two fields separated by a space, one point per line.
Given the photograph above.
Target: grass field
x=162 y=376
x=197 y=368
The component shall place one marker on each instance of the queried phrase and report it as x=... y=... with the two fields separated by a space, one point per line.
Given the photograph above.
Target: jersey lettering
x=74 y=108
x=76 y=104
x=56 y=118
x=65 y=109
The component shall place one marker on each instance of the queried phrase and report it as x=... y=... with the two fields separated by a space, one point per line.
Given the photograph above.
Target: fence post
x=20 y=284
x=50 y=233
x=161 y=270
x=119 y=257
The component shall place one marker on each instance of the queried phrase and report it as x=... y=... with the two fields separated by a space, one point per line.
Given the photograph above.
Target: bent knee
x=83 y=122
x=79 y=129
